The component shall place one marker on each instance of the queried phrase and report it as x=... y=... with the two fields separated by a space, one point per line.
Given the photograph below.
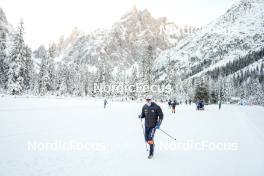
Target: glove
x=158 y=125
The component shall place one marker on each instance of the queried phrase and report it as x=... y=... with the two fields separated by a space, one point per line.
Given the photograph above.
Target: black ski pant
x=149 y=137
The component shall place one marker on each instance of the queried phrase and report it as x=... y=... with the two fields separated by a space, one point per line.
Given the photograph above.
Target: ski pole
x=168 y=134
x=144 y=134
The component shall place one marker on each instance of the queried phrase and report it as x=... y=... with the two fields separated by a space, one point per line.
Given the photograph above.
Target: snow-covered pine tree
x=47 y=72
x=149 y=59
x=188 y=89
x=3 y=61
x=51 y=65
x=228 y=89
x=146 y=67
x=18 y=60
x=85 y=80
x=74 y=79
x=213 y=90
x=202 y=92
x=61 y=79
x=255 y=93
x=103 y=74
x=174 y=80
x=133 y=80
x=29 y=69
x=43 y=81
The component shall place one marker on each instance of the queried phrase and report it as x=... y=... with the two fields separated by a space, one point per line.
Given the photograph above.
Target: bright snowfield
x=118 y=135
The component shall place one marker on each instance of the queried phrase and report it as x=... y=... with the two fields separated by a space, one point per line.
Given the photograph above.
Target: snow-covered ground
x=114 y=139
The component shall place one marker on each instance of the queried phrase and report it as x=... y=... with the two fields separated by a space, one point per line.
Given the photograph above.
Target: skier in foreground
x=153 y=117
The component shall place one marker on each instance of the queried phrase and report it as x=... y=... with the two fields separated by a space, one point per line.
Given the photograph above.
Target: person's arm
x=142 y=115
x=160 y=114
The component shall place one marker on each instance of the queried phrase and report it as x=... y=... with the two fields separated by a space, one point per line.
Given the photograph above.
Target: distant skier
x=173 y=106
x=105 y=103
x=153 y=117
x=219 y=104
x=200 y=105
x=169 y=103
x=190 y=101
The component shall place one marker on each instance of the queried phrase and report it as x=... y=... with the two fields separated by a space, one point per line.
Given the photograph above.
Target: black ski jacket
x=152 y=114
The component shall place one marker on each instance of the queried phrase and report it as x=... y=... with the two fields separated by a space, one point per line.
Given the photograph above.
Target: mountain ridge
x=125 y=43
x=221 y=40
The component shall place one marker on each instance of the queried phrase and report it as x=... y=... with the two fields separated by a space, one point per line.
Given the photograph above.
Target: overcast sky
x=47 y=20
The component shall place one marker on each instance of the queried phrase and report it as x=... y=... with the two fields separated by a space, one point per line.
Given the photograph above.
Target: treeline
x=238 y=64
x=25 y=72
x=243 y=78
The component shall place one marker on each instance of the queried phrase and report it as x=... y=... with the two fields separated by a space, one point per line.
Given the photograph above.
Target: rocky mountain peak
x=125 y=43
x=138 y=16
x=2 y=16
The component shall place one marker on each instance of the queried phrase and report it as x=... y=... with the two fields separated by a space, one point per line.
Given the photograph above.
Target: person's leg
x=146 y=133
x=149 y=136
x=151 y=149
x=151 y=140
